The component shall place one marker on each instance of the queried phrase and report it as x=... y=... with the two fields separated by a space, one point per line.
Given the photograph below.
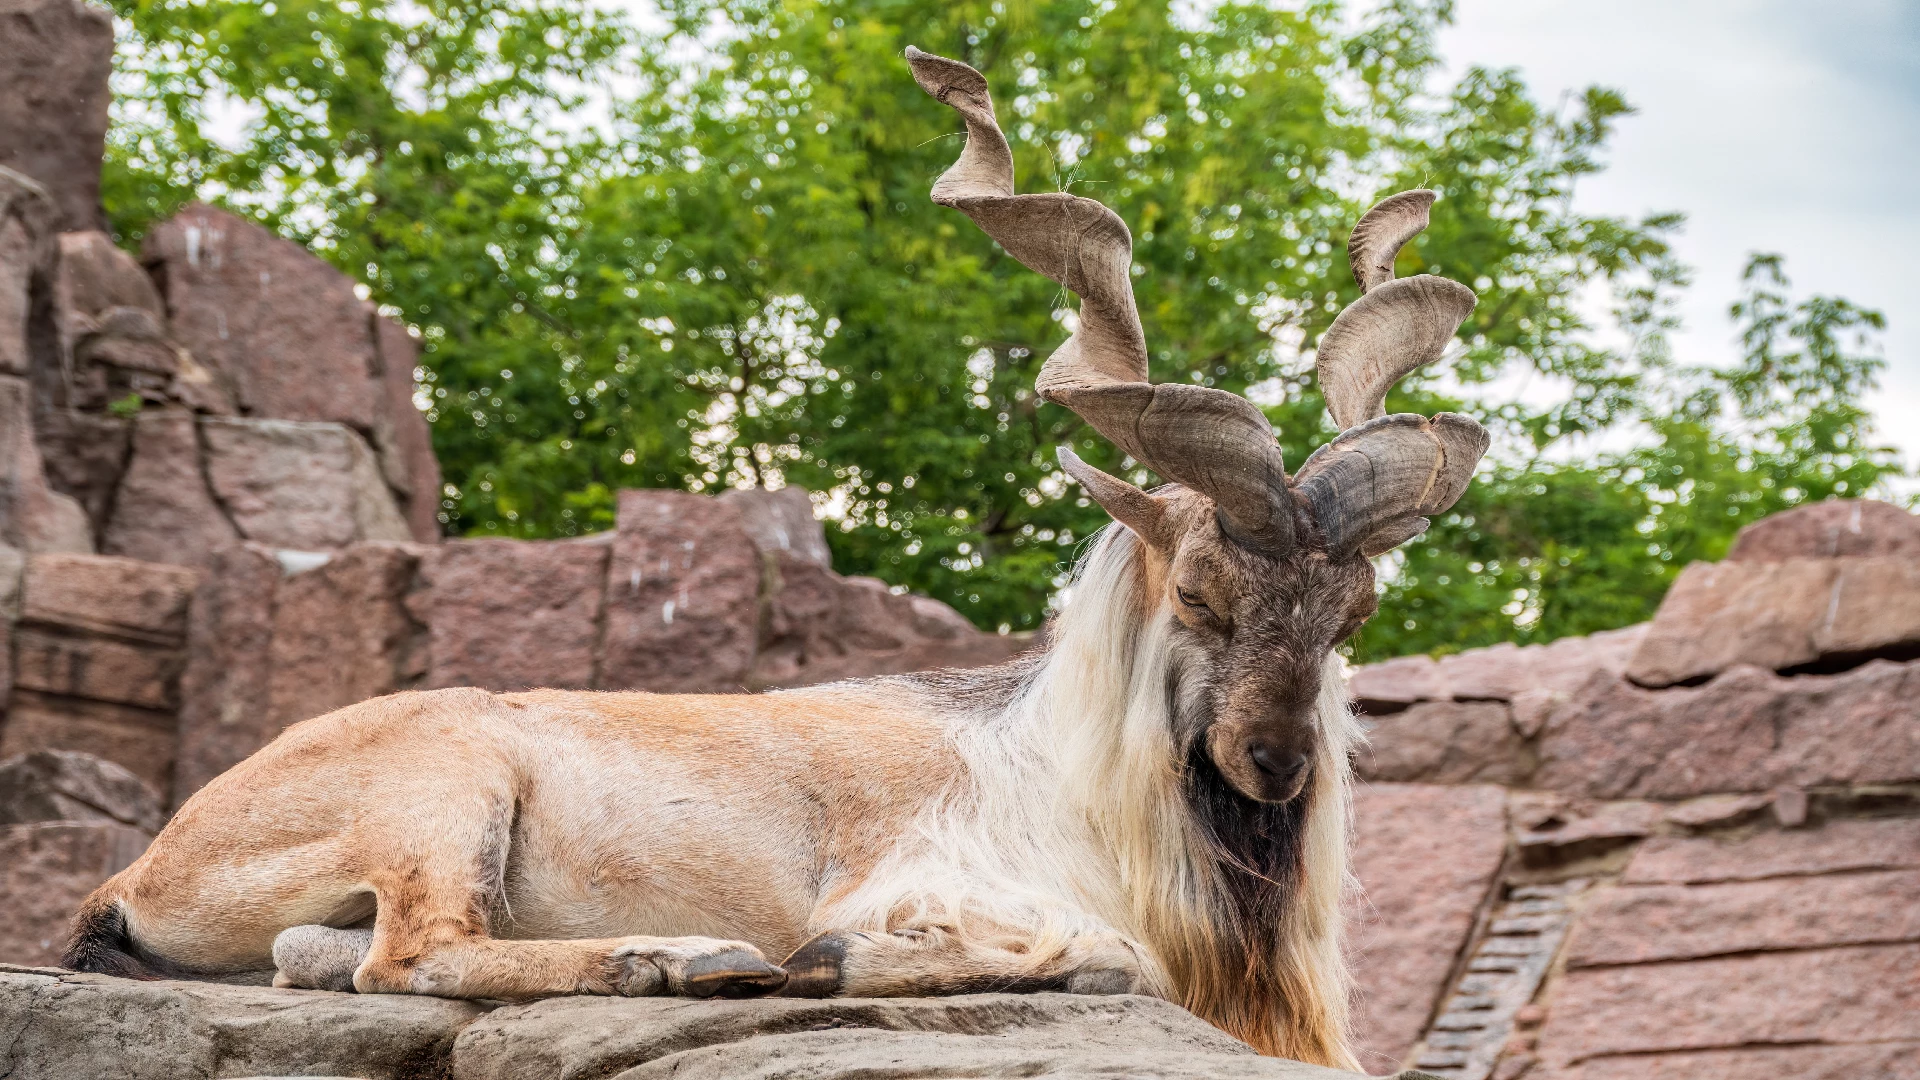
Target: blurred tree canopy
x=701 y=253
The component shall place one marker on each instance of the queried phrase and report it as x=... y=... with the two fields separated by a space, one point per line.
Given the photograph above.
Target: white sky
x=1774 y=125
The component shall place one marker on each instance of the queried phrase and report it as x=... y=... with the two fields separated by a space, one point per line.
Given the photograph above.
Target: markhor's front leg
x=938 y=959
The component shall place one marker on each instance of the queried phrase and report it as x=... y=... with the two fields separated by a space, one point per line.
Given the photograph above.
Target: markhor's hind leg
x=937 y=959
x=628 y=967
x=430 y=936
x=323 y=958
x=436 y=887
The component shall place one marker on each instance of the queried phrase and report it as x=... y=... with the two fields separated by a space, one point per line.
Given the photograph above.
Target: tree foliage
x=703 y=255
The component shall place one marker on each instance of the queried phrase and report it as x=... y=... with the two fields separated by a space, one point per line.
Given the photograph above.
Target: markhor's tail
x=102 y=943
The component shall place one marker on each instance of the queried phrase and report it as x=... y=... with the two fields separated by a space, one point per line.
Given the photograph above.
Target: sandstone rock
x=1781 y=615
x=33 y=517
x=1746 y=731
x=91 y=1027
x=402 y=439
x=299 y=485
x=12 y=569
x=60 y=785
x=936 y=620
x=811 y=607
x=284 y=327
x=826 y=627
x=108 y=594
x=163 y=511
x=1883 y=1061
x=1825 y=530
x=55 y=56
x=46 y=869
x=131 y=599
x=1427 y=857
x=1845 y=995
x=1549 y=826
x=1790 y=806
x=13 y=572
x=1892 y=844
x=823 y=627
x=225 y=704
x=93 y=278
x=1392 y=685
x=1442 y=742
x=512 y=614
x=342 y=634
x=1502 y=672
x=780 y=521
x=1530 y=708
x=1636 y=924
x=683 y=588
x=1874 y=610
x=26 y=227
x=139 y=740
x=1715 y=809
x=974 y=649
x=109 y=324
x=96 y=668
x=84 y=455
x=17 y=256
x=974 y=1035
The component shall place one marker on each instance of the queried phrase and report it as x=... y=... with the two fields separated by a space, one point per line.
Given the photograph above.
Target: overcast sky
x=1774 y=125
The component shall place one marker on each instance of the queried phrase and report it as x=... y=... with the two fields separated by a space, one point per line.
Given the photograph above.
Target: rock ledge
x=79 y=1027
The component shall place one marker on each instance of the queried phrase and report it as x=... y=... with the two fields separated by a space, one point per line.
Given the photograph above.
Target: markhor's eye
x=1191 y=600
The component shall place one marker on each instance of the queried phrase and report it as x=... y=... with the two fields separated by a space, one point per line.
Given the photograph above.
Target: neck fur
x=1238 y=902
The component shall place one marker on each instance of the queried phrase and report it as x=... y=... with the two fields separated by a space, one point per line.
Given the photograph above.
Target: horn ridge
x=1215 y=442
x=1396 y=328
x=1373 y=487
x=1382 y=231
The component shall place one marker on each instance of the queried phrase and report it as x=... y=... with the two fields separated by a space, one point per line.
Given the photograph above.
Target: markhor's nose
x=1284 y=766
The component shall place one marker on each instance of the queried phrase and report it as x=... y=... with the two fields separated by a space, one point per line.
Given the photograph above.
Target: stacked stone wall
x=1685 y=848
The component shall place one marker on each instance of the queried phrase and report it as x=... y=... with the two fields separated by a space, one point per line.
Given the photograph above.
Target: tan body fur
x=721 y=816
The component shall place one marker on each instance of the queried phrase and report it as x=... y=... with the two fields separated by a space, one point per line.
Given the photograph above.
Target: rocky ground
x=56 y=1024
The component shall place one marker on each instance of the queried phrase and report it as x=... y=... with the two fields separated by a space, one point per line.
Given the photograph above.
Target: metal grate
x=1507 y=968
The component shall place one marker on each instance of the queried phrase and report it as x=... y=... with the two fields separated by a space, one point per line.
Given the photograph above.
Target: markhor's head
x=1264 y=573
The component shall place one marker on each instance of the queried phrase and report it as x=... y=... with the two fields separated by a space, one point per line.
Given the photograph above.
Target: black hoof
x=733 y=974
x=817 y=968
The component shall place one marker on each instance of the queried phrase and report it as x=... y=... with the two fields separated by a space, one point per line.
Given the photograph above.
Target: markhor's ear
x=1145 y=514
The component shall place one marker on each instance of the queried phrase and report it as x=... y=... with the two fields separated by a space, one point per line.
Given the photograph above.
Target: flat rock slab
x=1781 y=615
x=976 y=1035
x=81 y=1027
x=1837 y=528
x=1854 y=995
x=1748 y=730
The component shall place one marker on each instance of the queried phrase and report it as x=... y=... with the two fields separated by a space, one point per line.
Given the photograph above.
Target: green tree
x=705 y=256
x=1540 y=549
